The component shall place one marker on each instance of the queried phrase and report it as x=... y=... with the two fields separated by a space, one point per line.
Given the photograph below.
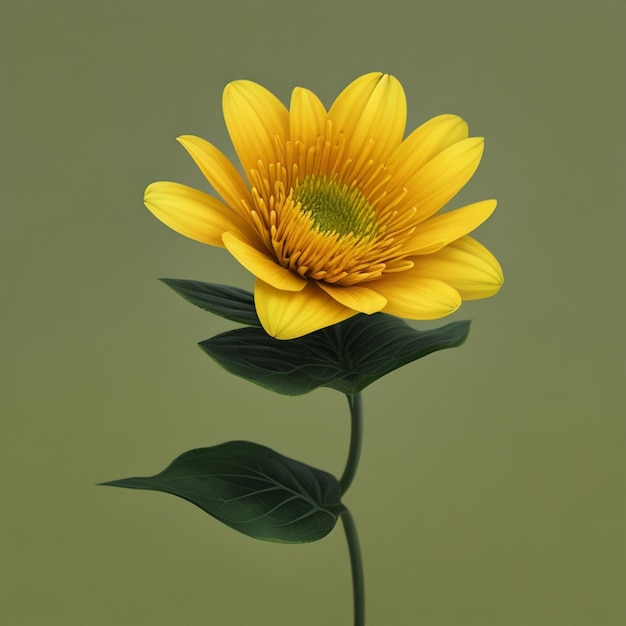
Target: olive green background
x=491 y=490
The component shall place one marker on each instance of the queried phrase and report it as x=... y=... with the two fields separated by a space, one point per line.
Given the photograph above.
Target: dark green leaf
x=346 y=357
x=229 y=302
x=252 y=489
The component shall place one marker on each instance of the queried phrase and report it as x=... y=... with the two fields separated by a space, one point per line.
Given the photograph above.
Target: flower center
x=325 y=229
x=335 y=207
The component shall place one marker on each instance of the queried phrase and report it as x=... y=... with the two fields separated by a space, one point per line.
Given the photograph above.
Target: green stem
x=355 y=402
x=356 y=563
x=356 y=437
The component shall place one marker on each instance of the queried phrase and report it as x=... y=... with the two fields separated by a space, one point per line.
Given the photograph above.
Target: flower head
x=337 y=213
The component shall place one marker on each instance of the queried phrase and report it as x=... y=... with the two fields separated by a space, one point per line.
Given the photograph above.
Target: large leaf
x=229 y=302
x=252 y=489
x=347 y=357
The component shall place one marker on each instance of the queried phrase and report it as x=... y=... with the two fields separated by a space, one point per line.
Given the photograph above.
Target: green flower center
x=336 y=207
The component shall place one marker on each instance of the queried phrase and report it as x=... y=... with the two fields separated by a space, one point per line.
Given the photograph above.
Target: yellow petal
x=466 y=265
x=425 y=143
x=193 y=213
x=292 y=314
x=439 y=231
x=415 y=297
x=351 y=101
x=218 y=170
x=443 y=177
x=307 y=117
x=254 y=118
x=262 y=265
x=370 y=109
x=355 y=297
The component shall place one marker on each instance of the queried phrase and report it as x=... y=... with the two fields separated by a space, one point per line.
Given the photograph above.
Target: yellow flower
x=337 y=214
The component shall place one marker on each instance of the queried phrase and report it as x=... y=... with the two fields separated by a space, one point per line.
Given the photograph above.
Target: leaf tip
x=170 y=282
x=109 y=483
